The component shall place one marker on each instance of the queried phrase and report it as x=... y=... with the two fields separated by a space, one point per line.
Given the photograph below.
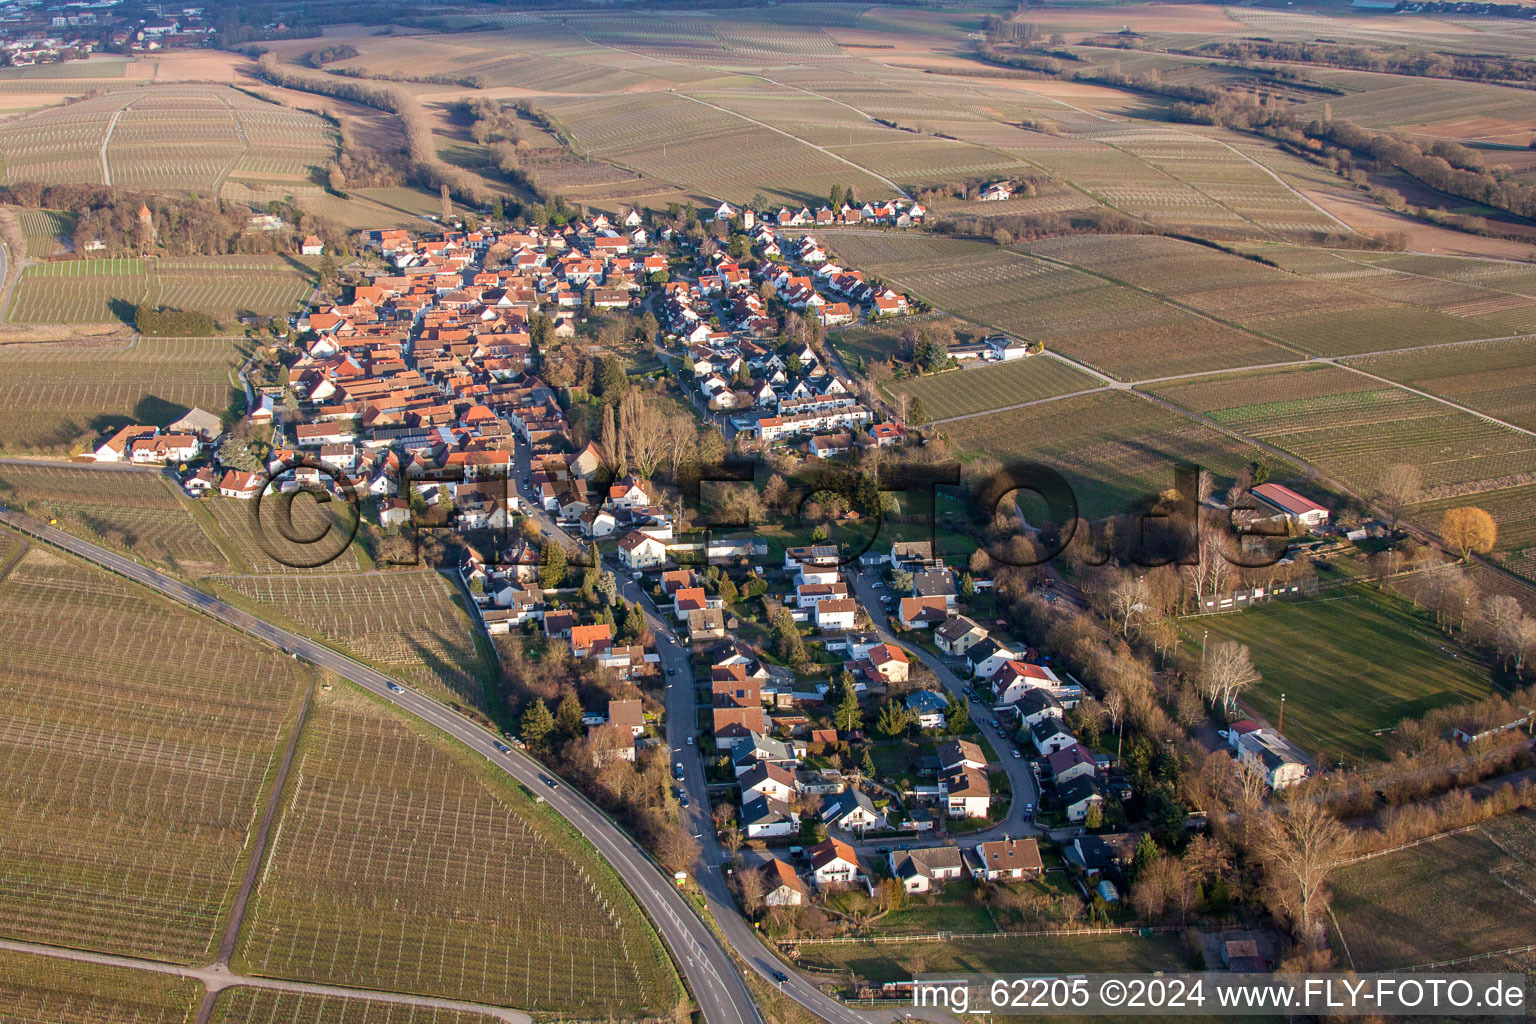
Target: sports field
x=1391 y=911
x=135 y=511
x=413 y=623
x=58 y=393
x=50 y=990
x=106 y=290
x=137 y=741
x=403 y=862
x=1116 y=450
x=1350 y=662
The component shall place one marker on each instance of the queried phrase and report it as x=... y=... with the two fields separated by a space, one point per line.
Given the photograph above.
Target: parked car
x=1017 y=755
x=677 y=769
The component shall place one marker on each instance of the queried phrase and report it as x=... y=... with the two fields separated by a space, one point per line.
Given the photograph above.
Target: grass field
x=1391 y=910
x=1116 y=450
x=1350 y=426
x=267 y=1006
x=1350 y=663
x=1493 y=377
x=412 y=622
x=46 y=990
x=980 y=388
x=900 y=961
x=404 y=862
x=105 y=290
x=134 y=511
x=58 y=393
x=137 y=740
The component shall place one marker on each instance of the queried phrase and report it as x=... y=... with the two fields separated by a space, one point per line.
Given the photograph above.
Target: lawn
x=137 y=741
x=49 y=990
x=1392 y=910
x=1352 y=662
x=403 y=861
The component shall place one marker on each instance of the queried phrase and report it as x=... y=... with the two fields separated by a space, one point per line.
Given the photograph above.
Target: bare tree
x=1300 y=849
x=1397 y=486
x=1516 y=641
x=753 y=887
x=1127 y=596
x=1228 y=673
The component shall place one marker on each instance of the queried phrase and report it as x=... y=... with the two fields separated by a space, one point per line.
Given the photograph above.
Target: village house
x=850 y=810
x=781 y=886
x=922 y=870
x=927 y=708
x=833 y=862
x=1006 y=860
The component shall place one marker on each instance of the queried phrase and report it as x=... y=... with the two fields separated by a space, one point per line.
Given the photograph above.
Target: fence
x=1408 y=845
x=1463 y=960
x=950 y=936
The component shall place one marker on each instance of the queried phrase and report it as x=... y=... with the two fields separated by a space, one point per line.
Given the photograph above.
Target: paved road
x=710 y=973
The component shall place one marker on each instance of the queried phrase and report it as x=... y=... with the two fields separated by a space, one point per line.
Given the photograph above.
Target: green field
x=107 y=290
x=1351 y=663
x=49 y=990
x=1391 y=910
x=138 y=739
x=242 y=1005
x=403 y=862
x=132 y=510
x=412 y=623
x=57 y=394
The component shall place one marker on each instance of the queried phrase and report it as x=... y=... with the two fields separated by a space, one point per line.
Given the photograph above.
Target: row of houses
x=834 y=864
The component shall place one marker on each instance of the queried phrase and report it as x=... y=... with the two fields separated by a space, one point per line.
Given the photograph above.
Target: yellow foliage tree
x=1470 y=530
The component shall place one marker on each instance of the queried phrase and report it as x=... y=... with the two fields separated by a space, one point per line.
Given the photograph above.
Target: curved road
x=711 y=975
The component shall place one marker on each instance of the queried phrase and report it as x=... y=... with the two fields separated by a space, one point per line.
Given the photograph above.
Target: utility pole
x=1280 y=727
x=1205 y=635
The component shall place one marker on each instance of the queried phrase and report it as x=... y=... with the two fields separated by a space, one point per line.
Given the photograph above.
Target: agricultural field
x=1513 y=510
x=135 y=511
x=412 y=623
x=47 y=231
x=59 y=394
x=1314 y=317
x=48 y=990
x=241 y=1005
x=135 y=755
x=1351 y=662
x=1116 y=450
x=1390 y=910
x=882 y=962
x=1122 y=331
x=355 y=890
x=104 y=290
x=1350 y=426
x=1493 y=377
x=314 y=535
x=166 y=137
x=1500 y=297
x=976 y=389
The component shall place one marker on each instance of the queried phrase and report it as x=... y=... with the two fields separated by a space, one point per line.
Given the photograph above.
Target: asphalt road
x=711 y=975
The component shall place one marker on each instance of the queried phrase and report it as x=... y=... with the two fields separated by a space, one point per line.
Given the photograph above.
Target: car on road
x=551 y=783
x=677 y=769
x=395 y=687
x=882 y=851
x=671 y=671
x=1017 y=755
x=690 y=741
x=501 y=746
x=682 y=799
x=780 y=977
x=877 y=585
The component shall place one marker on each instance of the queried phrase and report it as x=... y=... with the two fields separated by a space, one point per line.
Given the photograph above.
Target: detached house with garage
x=1006 y=860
